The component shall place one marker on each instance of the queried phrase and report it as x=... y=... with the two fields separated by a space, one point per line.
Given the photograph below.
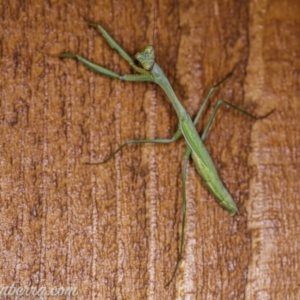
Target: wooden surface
x=112 y=231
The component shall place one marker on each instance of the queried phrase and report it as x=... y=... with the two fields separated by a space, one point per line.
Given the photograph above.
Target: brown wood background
x=112 y=230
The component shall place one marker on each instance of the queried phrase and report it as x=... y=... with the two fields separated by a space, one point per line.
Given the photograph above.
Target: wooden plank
x=112 y=231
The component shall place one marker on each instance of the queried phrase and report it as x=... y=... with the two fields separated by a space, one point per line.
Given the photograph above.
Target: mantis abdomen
x=215 y=185
x=205 y=166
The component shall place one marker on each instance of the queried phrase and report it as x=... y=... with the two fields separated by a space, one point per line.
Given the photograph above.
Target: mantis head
x=146 y=58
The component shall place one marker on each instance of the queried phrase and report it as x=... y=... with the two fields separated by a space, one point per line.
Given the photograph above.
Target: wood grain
x=112 y=230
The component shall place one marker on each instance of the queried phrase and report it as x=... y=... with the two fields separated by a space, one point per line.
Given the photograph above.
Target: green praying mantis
x=151 y=72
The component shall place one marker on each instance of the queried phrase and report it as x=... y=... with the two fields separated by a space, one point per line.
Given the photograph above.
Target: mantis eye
x=146 y=58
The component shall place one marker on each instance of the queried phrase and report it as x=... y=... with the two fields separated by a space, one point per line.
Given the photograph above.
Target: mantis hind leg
x=184 y=168
x=219 y=103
